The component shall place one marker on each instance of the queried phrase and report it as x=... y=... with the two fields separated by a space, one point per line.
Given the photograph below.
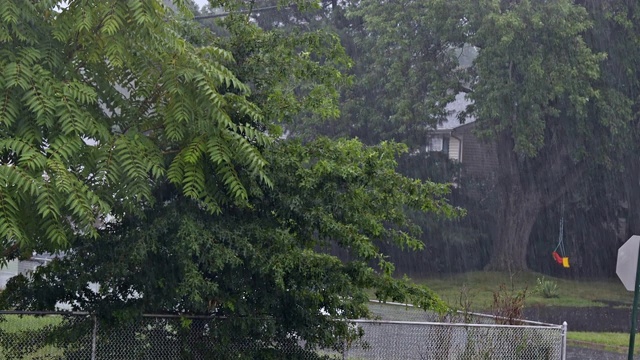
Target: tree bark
x=519 y=203
x=525 y=186
x=515 y=218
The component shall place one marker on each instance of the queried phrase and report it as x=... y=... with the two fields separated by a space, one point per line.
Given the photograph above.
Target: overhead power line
x=212 y=16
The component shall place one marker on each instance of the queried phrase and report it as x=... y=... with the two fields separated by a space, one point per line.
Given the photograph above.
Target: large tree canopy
x=407 y=72
x=219 y=217
x=267 y=262
x=94 y=96
x=544 y=97
x=553 y=87
x=404 y=71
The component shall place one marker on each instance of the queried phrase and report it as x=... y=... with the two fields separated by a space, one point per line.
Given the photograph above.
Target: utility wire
x=212 y=16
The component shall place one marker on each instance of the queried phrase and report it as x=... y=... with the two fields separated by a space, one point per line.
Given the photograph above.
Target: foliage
x=94 y=95
x=508 y=304
x=132 y=118
x=535 y=89
x=547 y=288
x=524 y=81
x=465 y=304
x=542 y=96
x=404 y=71
x=553 y=85
x=294 y=71
x=265 y=261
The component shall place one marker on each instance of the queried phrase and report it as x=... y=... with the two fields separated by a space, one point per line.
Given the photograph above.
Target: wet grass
x=478 y=287
x=14 y=325
x=610 y=341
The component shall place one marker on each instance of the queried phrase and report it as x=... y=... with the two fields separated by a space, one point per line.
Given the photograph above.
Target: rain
x=302 y=162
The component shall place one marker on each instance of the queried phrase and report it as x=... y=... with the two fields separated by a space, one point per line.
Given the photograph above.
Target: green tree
x=616 y=32
x=543 y=97
x=553 y=87
x=405 y=70
x=93 y=97
x=264 y=262
x=608 y=191
x=251 y=247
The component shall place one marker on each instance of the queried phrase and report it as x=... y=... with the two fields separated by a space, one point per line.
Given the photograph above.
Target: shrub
x=508 y=304
x=547 y=288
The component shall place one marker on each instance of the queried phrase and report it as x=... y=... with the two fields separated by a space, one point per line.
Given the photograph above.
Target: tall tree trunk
x=515 y=218
x=525 y=186
x=519 y=203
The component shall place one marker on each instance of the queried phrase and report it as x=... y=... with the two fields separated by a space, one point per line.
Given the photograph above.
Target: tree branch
x=571 y=176
x=464 y=89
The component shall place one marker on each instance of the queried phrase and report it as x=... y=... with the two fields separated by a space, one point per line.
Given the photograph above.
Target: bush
x=508 y=304
x=547 y=288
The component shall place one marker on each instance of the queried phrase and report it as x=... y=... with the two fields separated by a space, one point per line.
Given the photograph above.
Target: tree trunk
x=525 y=186
x=519 y=203
x=515 y=218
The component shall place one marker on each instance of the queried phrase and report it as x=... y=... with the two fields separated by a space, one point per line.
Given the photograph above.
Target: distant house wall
x=27 y=266
x=7 y=272
x=478 y=158
x=15 y=267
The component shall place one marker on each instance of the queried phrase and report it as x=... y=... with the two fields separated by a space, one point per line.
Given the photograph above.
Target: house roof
x=44 y=257
x=466 y=55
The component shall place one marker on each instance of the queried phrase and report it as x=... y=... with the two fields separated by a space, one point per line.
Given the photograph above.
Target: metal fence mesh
x=406 y=332
x=399 y=332
x=45 y=337
x=79 y=336
x=437 y=341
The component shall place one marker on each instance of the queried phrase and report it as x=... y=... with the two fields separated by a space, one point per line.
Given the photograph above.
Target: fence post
x=344 y=348
x=564 y=340
x=94 y=338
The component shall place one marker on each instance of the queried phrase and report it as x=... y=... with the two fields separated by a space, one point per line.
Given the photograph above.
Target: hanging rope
x=560 y=245
x=561 y=258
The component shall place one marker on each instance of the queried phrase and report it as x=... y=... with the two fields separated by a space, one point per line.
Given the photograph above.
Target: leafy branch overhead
x=98 y=101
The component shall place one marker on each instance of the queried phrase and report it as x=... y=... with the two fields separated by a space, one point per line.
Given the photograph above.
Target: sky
x=201 y=3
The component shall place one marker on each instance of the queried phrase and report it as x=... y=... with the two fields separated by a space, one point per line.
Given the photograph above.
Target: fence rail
x=398 y=332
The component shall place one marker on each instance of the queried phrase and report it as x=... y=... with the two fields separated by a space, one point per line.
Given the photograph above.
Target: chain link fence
x=396 y=332
x=402 y=331
x=80 y=336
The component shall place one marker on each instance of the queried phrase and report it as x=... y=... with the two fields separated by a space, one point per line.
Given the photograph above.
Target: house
x=15 y=267
x=478 y=158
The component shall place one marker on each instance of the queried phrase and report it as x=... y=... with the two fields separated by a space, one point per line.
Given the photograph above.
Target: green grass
x=16 y=323
x=481 y=286
x=617 y=342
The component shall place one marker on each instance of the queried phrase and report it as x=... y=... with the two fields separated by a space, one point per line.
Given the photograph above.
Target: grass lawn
x=618 y=342
x=14 y=324
x=481 y=285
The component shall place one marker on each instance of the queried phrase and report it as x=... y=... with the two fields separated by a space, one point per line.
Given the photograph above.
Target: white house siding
x=27 y=266
x=15 y=267
x=454 y=149
x=7 y=272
